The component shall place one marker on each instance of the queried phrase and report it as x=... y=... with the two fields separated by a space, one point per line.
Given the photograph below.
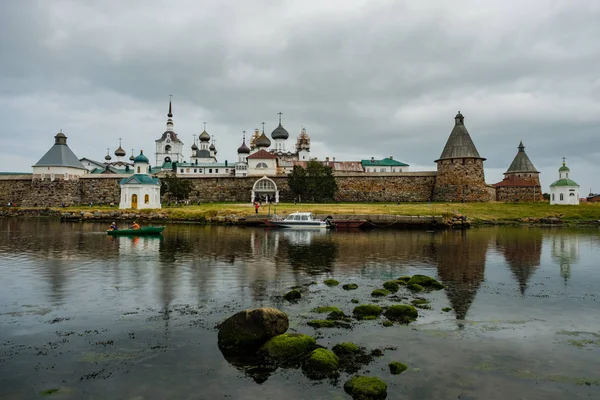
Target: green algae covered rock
x=391 y=286
x=379 y=293
x=397 y=367
x=320 y=364
x=425 y=281
x=367 y=310
x=414 y=287
x=346 y=348
x=387 y=323
x=331 y=282
x=288 y=347
x=354 y=301
x=352 y=357
x=326 y=309
x=404 y=278
x=350 y=286
x=419 y=300
x=321 y=323
x=366 y=388
x=446 y=309
x=251 y=328
x=402 y=313
x=292 y=295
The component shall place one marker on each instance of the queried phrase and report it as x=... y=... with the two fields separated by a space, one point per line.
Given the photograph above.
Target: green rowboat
x=146 y=230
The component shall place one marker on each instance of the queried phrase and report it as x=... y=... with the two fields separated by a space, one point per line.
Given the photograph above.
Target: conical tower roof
x=521 y=163
x=60 y=155
x=459 y=144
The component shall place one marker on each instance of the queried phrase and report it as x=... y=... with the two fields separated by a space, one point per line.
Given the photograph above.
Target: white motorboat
x=299 y=220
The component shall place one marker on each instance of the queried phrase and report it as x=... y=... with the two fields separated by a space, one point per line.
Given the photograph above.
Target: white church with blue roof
x=140 y=190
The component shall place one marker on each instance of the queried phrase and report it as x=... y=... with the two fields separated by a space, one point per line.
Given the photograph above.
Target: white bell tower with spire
x=169 y=148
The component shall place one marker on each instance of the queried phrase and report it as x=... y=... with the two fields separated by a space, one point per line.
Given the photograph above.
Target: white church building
x=564 y=190
x=140 y=190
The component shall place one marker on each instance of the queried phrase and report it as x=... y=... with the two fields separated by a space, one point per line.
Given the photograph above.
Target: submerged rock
x=397 y=367
x=415 y=288
x=354 y=301
x=331 y=282
x=338 y=316
x=326 y=309
x=320 y=364
x=350 y=286
x=425 y=281
x=251 y=328
x=321 y=323
x=404 y=278
x=391 y=286
x=402 y=313
x=366 y=388
x=352 y=357
x=288 y=347
x=292 y=295
x=379 y=293
x=367 y=310
x=446 y=309
x=387 y=323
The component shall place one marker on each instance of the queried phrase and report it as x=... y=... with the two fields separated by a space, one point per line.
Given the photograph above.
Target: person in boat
x=135 y=225
x=113 y=227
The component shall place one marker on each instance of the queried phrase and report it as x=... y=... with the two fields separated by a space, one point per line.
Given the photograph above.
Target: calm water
x=122 y=318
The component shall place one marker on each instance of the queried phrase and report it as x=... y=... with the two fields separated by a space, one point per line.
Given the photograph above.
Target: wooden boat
x=144 y=231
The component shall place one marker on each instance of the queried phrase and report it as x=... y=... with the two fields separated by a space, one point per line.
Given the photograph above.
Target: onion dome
x=204 y=136
x=262 y=141
x=141 y=158
x=212 y=147
x=194 y=147
x=131 y=157
x=107 y=157
x=243 y=149
x=120 y=152
x=280 y=133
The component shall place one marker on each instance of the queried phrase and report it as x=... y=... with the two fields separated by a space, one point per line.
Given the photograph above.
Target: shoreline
x=223 y=214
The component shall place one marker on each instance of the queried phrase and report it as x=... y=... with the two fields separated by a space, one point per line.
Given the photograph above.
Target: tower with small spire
x=206 y=151
x=303 y=146
x=241 y=167
x=460 y=176
x=565 y=190
x=521 y=181
x=169 y=148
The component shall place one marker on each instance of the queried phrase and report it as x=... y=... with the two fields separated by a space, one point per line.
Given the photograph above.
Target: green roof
x=140 y=179
x=564 y=168
x=564 y=182
x=386 y=162
x=141 y=158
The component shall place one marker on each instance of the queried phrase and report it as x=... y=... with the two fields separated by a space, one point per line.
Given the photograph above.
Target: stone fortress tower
x=460 y=176
x=521 y=180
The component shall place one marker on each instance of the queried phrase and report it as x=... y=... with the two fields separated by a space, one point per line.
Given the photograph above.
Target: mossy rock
x=397 y=368
x=391 y=286
x=387 y=323
x=366 y=388
x=354 y=301
x=321 y=323
x=402 y=313
x=346 y=348
x=425 y=281
x=350 y=286
x=401 y=283
x=331 y=282
x=337 y=316
x=320 y=364
x=326 y=309
x=352 y=357
x=379 y=293
x=415 y=288
x=404 y=278
x=367 y=310
x=419 y=300
x=249 y=329
x=288 y=347
x=292 y=295
x=49 y=392
x=446 y=309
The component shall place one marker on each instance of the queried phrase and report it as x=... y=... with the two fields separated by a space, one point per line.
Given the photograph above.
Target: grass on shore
x=492 y=211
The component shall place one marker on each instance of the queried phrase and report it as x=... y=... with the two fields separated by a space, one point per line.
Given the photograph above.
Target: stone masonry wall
x=47 y=193
x=416 y=186
x=14 y=188
x=519 y=193
x=461 y=180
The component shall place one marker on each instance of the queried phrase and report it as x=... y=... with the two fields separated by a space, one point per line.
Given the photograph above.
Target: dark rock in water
x=331 y=282
x=402 y=313
x=391 y=286
x=387 y=323
x=379 y=293
x=320 y=364
x=446 y=309
x=249 y=329
x=425 y=281
x=292 y=295
x=352 y=357
x=367 y=310
x=321 y=323
x=337 y=316
x=366 y=388
x=287 y=348
x=377 y=353
x=350 y=286
x=404 y=278
x=354 y=301
x=326 y=309
x=397 y=367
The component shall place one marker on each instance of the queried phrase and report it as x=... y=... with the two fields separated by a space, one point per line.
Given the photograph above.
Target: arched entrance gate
x=265 y=187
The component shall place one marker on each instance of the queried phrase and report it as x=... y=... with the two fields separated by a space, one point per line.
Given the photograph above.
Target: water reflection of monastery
x=564 y=252
x=522 y=249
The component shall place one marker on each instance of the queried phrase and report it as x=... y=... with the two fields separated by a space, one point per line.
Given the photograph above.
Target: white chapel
x=140 y=190
x=564 y=190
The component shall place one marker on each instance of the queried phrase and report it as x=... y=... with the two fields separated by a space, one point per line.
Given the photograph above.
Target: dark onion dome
x=204 y=136
x=141 y=158
x=107 y=157
x=212 y=147
x=194 y=147
x=459 y=144
x=280 y=133
x=262 y=141
x=120 y=152
x=243 y=149
x=131 y=157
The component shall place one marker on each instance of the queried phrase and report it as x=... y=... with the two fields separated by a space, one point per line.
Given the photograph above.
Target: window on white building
x=216 y=170
x=261 y=165
x=552 y=196
x=561 y=197
x=381 y=169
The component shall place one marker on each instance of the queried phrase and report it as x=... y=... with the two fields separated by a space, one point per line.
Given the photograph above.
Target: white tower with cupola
x=169 y=148
x=564 y=190
x=279 y=136
x=241 y=167
x=140 y=190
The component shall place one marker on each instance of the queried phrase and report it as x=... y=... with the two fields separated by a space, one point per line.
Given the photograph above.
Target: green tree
x=313 y=183
x=174 y=187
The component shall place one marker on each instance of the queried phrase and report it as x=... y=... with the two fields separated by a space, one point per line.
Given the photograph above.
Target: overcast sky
x=366 y=78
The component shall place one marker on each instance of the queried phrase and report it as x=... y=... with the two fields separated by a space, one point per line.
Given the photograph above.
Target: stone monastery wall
x=104 y=189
